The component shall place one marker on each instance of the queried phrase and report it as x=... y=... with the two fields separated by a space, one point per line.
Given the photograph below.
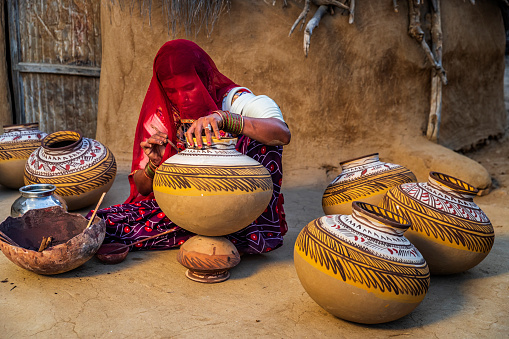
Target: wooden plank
x=61 y=102
x=13 y=15
x=26 y=67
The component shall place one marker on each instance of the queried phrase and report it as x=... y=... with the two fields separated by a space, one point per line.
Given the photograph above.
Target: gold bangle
x=154 y=166
x=149 y=171
x=146 y=175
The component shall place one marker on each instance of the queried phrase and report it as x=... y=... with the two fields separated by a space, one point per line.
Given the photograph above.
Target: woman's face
x=184 y=91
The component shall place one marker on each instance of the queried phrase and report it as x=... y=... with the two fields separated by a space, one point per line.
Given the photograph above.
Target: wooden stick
x=5 y=238
x=96 y=208
x=45 y=243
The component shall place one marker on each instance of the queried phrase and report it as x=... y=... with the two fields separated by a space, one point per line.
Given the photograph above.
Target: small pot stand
x=208 y=259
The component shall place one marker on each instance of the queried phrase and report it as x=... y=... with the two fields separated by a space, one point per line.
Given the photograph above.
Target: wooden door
x=55 y=60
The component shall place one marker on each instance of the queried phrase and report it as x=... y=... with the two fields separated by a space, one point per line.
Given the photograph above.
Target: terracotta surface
x=360 y=267
x=364 y=88
x=207 y=191
x=449 y=229
x=364 y=179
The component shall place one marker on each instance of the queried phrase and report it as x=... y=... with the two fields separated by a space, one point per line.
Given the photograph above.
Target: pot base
x=209 y=277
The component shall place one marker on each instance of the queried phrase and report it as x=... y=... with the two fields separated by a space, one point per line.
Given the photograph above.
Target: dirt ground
x=148 y=296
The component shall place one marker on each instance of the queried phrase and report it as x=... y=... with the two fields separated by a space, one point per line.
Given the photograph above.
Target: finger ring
x=209 y=127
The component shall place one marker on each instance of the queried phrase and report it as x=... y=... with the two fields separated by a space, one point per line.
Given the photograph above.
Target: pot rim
x=382 y=215
x=222 y=143
x=453 y=183
x=42 y=190
x=358 y=158
x=47 y=139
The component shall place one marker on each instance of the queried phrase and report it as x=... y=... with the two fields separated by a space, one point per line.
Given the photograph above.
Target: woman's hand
x=154 y=147
x=208 y=124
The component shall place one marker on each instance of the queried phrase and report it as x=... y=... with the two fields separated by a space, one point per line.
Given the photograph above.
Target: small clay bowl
x=112 y=253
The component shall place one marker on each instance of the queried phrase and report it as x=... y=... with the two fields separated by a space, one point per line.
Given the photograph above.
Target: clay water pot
x=16 y=145
x=360 y=267
x=449 y=229
x=364 y=179
x=212 y=191
x=113 y=253
x=73 y=242
x=80 y=168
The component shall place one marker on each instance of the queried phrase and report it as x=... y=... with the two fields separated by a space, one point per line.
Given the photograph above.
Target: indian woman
x=188 y=97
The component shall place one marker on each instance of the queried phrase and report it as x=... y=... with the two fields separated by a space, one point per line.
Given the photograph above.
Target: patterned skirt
x=131 y=222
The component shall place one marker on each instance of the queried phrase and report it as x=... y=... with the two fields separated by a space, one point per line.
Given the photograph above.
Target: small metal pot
x=34 y=197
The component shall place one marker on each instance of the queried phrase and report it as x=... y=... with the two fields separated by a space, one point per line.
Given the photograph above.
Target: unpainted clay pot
x=360 y=267
x=212 y=191
x=451 y=231
x=80 y=168
x=16 y=145
x=364 y=179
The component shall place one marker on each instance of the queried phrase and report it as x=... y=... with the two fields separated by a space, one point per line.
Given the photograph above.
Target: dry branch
x=416 y=32
x=352 y=10
x=435 y=114
x=315 y=20
x=395 y=5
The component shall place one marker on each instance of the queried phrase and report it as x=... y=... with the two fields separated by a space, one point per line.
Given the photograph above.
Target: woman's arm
x=268 y=131
x=154 y=148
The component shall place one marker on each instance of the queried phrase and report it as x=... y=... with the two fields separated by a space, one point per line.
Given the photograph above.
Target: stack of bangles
x=231 y=122
x=150 y=170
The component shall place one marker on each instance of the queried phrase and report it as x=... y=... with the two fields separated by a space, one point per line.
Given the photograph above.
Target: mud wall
x=364 y=87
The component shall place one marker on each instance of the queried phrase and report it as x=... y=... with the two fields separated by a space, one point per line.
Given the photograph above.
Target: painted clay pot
x=81 y=168
x=34 y=197
x=73 y=242
x=212 y=191
x=360 y=267
x=16 y=145
x=208 y=259
x=364 y=179
x=451 y=231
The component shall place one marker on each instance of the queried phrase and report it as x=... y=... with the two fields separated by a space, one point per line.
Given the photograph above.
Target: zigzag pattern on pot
x=212 y=178
x=357 y=266
x=81 y=182
x=469 y=228
x=351 y=190
x=21 y=150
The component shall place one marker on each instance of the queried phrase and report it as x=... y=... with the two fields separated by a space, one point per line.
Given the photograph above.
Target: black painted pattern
x=213 y=178
x=352 y=190
x=473 y=235
x=361 y=267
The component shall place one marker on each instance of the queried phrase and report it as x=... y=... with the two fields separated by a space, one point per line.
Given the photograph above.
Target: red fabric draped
x=186 y=84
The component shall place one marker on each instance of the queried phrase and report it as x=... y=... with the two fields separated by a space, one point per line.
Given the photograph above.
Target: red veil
x=180 y=66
